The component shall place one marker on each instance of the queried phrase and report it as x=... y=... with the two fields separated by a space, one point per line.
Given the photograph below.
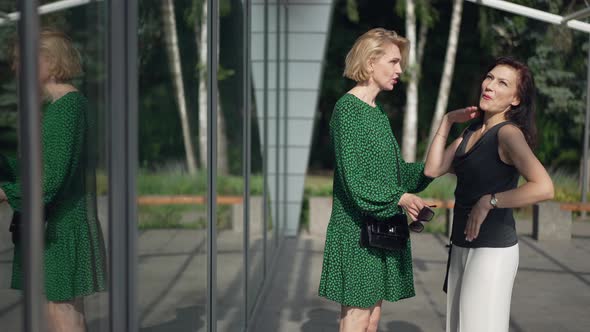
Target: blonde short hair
x=371 y=45
x=66 y=60
x=64 y=57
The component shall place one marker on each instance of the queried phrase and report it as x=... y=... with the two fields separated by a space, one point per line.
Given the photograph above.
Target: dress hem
x=82 y=294
x=395 y=299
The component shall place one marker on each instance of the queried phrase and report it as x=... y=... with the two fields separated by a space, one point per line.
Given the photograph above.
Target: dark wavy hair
x=523 y=115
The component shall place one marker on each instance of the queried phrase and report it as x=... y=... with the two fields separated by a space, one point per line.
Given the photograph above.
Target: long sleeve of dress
x=371 y=193
x=8 y=168
x=61 y=137
x=417 y=181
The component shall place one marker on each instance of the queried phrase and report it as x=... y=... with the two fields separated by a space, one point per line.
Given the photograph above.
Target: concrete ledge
x=237 y=216
x=550 y=222
x=320 y=209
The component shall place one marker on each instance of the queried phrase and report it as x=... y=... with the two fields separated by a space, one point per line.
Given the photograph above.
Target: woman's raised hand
x=463 y=114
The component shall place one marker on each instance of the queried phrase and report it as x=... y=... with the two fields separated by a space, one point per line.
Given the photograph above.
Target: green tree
x=556 y=55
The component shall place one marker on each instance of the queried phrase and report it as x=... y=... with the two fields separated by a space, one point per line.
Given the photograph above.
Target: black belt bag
x=16 y=226
x=389 y=234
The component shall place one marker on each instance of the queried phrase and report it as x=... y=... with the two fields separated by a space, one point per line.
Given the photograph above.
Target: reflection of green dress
x=74 y=248
x=366 y=183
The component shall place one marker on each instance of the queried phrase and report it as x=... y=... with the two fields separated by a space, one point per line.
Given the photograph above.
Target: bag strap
x=399 y=168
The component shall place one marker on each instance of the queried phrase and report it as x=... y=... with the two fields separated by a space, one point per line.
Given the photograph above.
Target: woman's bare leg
x=67 y=316
x=374 y=317
x=354 y=319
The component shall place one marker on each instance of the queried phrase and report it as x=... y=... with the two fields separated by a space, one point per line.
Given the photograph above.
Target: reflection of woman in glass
x=74 y=255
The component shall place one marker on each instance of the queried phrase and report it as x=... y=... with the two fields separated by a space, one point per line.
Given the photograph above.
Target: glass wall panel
x=88 y=26
x=269 y=147
x=281 y=120
x=231 y=145
x=85 y=25
x=172 y=179
x=274 y=130
x=11 y=301
x=259 y=109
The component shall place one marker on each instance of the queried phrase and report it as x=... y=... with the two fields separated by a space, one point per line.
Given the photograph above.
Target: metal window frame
x=246 y=150
x=212 y=67
x=537 y=14
x=578 y=15
x=122 y=163
x=265 y=162
x=286 y=122
x=30 y=139
x=47 y=9
x=265 y=207
x=278 y=125
x=586 y=133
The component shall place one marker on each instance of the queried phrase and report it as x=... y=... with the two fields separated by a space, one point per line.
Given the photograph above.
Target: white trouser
x=480 y=288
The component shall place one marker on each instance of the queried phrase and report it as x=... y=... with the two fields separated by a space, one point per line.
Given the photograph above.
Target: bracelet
x=440 y=135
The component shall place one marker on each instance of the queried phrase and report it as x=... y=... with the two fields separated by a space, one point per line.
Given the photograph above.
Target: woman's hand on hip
x=463 y=114
x=476 y=217
x=412 y=204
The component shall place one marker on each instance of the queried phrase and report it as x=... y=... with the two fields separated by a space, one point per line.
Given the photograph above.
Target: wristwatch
x=494 y=201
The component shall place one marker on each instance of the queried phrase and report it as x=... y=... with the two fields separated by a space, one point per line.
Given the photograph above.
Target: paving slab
x=551 y=291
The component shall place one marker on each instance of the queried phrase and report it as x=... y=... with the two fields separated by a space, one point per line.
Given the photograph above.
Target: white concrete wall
x=307 y=28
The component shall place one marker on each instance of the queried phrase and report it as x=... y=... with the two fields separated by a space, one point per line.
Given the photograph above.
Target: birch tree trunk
x=423 y=34
x=171 y=40
x=411 y=114
x=449 y=67
x=202 y=42
x=222 y=158
x=201 y=33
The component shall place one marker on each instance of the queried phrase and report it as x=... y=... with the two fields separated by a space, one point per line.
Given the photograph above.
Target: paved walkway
x=551 y=293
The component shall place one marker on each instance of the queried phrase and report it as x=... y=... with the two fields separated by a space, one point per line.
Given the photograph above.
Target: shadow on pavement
x=321 y=320
x=401 y=326
x=187 y=319
x=529 y=242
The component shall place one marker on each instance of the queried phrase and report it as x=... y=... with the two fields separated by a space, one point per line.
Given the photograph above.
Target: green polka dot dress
x=366 y=183
x=74 y=253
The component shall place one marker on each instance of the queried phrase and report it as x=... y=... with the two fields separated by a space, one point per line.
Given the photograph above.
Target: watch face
x=493 y=201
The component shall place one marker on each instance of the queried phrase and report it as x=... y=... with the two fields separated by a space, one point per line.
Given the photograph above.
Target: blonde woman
x=367 y=183
x=74 y=256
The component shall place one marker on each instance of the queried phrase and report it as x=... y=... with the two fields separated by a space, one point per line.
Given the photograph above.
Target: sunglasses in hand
x=425 y=215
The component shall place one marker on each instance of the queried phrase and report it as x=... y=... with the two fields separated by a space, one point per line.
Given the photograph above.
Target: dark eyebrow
x=503 y=80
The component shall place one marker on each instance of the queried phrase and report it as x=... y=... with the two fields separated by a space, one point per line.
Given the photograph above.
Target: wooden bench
x=186 y=199
x=448 y=206
x=551 y=220
x=576 y=207
x=320 y=209
x=235 y=203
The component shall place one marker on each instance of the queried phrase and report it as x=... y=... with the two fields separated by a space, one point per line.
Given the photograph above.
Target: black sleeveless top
x=480 y=171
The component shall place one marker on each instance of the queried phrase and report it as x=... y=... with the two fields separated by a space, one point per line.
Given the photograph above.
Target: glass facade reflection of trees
x=85 y=26
x=172 y=188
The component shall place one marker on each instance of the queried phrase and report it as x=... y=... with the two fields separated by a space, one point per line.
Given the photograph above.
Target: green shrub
x=566 y=187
